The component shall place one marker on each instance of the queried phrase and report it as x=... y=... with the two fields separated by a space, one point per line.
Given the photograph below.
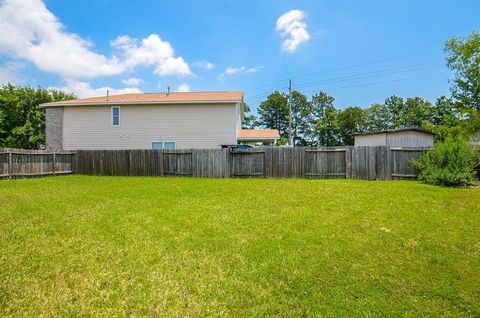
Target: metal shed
x=403 y=137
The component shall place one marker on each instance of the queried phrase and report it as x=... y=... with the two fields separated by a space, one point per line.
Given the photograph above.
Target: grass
x=115 y=246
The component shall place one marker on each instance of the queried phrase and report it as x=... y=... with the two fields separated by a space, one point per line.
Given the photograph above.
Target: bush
x=449 y=163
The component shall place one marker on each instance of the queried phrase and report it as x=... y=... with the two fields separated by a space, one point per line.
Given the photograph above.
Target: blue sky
x=358 y=51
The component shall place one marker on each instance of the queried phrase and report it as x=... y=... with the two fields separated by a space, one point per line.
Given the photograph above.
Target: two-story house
x=150 y=121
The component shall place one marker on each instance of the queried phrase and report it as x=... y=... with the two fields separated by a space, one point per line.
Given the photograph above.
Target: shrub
x=449 y=163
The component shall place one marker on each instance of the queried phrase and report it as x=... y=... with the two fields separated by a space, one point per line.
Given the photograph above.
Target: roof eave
x=394 y=131
x=141 y=103
x=256 y=138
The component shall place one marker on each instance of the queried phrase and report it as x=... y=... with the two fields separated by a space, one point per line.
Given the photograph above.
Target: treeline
x=317 y=122
x=22 y=121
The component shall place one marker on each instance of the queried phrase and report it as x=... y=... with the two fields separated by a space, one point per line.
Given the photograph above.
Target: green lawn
x=115 y=246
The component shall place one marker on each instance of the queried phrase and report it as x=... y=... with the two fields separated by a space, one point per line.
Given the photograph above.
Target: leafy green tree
x=327 y=128
x=395 y=111
x=378 y=117
x=417 y=112
x=249 y=121
x=464 y=59
x=273 y=113
x=22 y=121
x=446 y=119
x=320 y=102
x=446 y=113
x=301 y=114
x=351 y=120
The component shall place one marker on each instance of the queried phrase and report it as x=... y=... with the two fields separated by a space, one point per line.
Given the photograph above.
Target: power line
x=357 y=76
x=364 y=64
x=370 y=74
x=344 y=68
x=375 y=83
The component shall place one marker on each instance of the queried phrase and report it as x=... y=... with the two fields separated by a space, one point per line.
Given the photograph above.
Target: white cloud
x=152 y=51
x=31 y=32
x=183 y=88
x=84 y=89
x=293 y=28
x=239 y=70
x=173 y=66
x=132 y=81
x=204 y=64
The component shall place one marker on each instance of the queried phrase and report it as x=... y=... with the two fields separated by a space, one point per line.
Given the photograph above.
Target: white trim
x=142 y=103
x=163 y=141
x=111 y=116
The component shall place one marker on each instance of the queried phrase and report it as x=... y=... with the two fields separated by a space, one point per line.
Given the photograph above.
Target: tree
x=395 y=110
x=22 y=121
x=464 y=59
x=317 y=134
x=249 y=121
x=274 y=113
x=417 y=112
x=446 y=112
x=378 y=117
x=327 y=128
x=301 y=114
x=350 y=121
x=320 y=102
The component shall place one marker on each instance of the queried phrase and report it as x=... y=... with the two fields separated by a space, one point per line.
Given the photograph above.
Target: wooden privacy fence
x=370 y=163
x=21 y=163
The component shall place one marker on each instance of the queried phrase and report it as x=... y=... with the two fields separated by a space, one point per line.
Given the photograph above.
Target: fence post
x=10 y=165
x=348 y=163
x=53 y=170
x=388 y=163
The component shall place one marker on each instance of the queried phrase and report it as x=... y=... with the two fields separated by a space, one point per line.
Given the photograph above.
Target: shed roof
x=395 y=131
x=153 y=98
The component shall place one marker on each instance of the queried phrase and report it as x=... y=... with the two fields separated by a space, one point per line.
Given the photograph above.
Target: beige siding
x=410 y=139
x=396 y=139
x=370 y=140
x=190 y=126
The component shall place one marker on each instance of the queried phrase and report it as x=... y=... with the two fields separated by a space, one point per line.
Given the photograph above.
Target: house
x=403 y=137
x=149 y=121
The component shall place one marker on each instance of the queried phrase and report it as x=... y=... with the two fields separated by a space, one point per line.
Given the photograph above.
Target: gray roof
x=394 y=131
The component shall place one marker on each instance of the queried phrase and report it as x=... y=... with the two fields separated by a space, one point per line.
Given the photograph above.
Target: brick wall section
x=53 y=128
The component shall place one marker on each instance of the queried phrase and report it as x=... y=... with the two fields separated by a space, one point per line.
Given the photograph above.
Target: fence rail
x=371 y=163
x=21 y=163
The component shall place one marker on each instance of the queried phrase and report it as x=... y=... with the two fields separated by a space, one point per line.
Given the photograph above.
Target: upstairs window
x=116 y=116
x=163 y=145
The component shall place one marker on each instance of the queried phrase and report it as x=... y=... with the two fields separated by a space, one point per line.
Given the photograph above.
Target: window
x=116 y=116
x=163 y=145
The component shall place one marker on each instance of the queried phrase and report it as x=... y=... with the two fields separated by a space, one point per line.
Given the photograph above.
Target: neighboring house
x=145 y=121
x=403 y=137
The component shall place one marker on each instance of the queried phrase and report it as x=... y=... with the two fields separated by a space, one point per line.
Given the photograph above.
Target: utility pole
x=290 y=137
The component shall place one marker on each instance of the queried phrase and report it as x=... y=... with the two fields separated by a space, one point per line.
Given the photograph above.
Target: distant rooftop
x=153 y=98
x=258 y=133
x=395 y=131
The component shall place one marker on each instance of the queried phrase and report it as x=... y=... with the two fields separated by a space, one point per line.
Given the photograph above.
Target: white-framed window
x=115 y=116
x=164 y=145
